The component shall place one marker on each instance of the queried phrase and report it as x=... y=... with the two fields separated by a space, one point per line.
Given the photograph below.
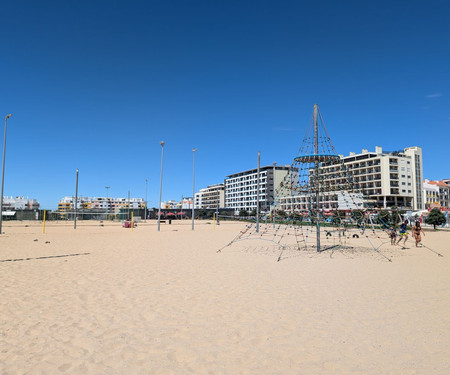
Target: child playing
x=393 y=235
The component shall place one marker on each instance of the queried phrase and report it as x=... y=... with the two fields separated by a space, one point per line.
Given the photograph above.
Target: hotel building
x=386 y=179
x=241 y=188
x=211 y=197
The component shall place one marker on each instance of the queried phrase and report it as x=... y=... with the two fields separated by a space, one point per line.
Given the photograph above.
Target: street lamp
x=193 y=185
x=273 y=210
x=3 y=172
x=146 y=185
x=162 y=143
x=107 y=201
x=76 y=202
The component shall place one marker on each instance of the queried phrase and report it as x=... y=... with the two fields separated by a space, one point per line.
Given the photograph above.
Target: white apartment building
x=241 y=188
x=430 y=194
x=19 y=203
x=333 y=200
x=108 y=204
x=386 y=179
x=184 y=204
x=437 y=194
x=212 y=196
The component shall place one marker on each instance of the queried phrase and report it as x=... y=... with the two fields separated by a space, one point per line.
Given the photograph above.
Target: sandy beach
x=108 y=300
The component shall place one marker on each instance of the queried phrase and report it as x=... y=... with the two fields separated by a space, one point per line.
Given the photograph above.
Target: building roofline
x=267 y=167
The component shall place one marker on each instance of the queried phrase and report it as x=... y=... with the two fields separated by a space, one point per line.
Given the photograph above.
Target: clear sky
x=96 y=85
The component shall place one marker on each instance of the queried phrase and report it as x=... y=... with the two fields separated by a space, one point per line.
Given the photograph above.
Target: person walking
x=416 y=229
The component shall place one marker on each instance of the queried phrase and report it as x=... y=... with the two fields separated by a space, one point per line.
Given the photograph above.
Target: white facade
x=211 y=197
x=109 y=204
x=20 y=203
x=388 y=178
x=241 y=188
x=437 y=193
x=430 y=194
x=334 y=200
x=184 y=204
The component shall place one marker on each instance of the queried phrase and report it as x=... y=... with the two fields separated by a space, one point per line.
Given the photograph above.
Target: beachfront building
x=105 y=204
x=333 y=200
x=430 y=194
x=19 y=203
x=241 y=188
x=212 y=196
x=67 y=203
x=387 y=179
x=184 y=204
x=437 y=194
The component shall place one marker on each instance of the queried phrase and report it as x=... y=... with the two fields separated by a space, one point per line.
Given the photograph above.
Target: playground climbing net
x=318 y=206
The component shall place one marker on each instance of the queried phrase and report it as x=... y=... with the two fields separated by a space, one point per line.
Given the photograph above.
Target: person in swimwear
x=416 y=229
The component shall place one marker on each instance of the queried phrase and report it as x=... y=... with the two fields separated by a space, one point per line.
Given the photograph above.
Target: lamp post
x=3 y=173
x=76 y=203
x=273 y=211
x=129 y=204
x=160 y=185
x=146 y=188
x=193 y=186
x=107 y=201
x=257 y=193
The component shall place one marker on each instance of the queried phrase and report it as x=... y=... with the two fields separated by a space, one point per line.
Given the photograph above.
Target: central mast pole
x=257 y=193
x=316 y=173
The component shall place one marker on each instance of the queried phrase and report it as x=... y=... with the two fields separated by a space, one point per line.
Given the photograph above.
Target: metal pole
x=316 y=172
x=76 y=203
x=107 y=201
x=193 y=186
x=257 y=195
x=3 y=173
x=160 y=184
x=273 y=211
x=128 y=205
x=146 y=188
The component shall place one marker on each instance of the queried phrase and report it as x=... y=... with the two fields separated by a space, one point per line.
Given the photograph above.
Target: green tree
x=281 y=213
x=338 y=216
x=201 y=214
x=435 y=217
x=253 y=212
x=243 y=213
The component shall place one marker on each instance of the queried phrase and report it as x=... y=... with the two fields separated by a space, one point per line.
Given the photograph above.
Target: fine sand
x=109 y=300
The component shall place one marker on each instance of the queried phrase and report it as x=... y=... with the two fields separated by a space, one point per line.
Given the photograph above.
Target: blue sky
x=97 y=85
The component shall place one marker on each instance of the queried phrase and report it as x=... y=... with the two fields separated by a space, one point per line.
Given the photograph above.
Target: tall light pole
x=3 y=173
x=146 y=188
x=162 y=143
x=129 y=205
x=257 y=193
x=107 y=200
x=273 y=210
x=193 y=186
x=76 y=202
